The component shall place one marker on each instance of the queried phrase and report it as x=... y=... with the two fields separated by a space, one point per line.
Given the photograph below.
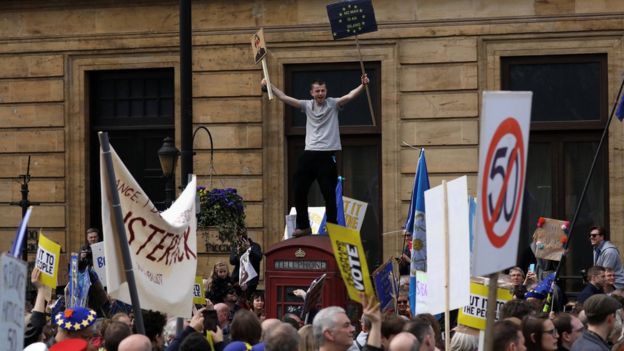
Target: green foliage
x=223 y=209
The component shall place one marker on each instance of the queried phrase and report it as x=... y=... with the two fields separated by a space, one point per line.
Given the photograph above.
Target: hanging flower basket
x=224 y=210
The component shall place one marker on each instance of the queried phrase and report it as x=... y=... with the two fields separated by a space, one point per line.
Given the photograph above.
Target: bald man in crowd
x=135 y=342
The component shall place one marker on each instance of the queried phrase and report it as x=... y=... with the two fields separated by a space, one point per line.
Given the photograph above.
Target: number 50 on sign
x=504 y=142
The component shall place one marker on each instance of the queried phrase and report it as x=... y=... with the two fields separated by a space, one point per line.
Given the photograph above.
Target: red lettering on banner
x=173 y=252
x=149 y=238
x=159 y=246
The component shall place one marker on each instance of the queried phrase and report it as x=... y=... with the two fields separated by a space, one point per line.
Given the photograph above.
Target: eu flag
x=619 y=112
x=353 y=17
x=340 y=216
x=416 y=225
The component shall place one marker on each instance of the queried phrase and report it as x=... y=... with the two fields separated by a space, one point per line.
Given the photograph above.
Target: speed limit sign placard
x=503 y=149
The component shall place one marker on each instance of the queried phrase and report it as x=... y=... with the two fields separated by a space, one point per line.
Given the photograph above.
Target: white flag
x=163 y=246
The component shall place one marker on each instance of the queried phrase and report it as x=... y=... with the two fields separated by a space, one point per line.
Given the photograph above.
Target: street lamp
x=168 y=156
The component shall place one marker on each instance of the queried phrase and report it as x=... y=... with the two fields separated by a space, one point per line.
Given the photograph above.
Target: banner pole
x=447 y=272
x=121 y=231
x=490 y=314
x=370 y=103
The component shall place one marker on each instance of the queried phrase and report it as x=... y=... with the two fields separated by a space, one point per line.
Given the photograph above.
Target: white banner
x=503 y=150
x=163 y=245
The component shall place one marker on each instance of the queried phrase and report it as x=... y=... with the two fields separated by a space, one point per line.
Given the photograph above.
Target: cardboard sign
x=99 y=261
x=386 y=286
x=351 y=260
x=313 y=296
x=47 y=260
x=12 y=301
x=258 y=46
x=473 y=314
x=458 y=256
x=547 y=240
x=198 y=291
x=504 y=143
x=351 y=17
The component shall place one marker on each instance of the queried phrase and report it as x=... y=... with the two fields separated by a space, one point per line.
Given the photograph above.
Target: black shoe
x=302 y=232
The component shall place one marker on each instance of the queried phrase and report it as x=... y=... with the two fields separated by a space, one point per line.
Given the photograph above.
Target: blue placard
x=386 y=286
x=353 y=17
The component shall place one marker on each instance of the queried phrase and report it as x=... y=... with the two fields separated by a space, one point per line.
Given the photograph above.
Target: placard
x=99 y=261
x=12 y=301
x=386 y=286
x=474 y=314
x=198 y=291
x=354 y=211
x=351 y=17
x=548 y=239
x=47 y=260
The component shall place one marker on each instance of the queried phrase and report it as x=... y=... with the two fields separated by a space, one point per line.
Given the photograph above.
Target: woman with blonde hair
x=306 y=343
x=219 y=284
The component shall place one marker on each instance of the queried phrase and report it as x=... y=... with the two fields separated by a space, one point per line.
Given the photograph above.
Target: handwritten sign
x=422 y=292
x=473 y=315
x=547 y=240
x=351 y=17
x=99 y=261
x=12 y=300
x=47 y=260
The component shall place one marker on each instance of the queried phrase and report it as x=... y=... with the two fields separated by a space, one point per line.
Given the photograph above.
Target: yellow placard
x=351 y=260
x=47 y=261
x=473 y=315
x=198 y=291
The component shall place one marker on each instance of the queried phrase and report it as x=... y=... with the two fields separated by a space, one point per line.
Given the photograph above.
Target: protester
x=515 y=309
x=245 y=327
x=606 y=254
x=283 y=338
x=507 y=337
x=360 y=340
x=293 y=320
x=421 y=328
x=154 y=323
x=194 y=342
x=391 y=326
x=135 y=342
x=220 y=283
x=332 y=329
x=93 y=236
x=258 y=306
x=404 y=341
x=595 y=282
x=34 y=328
x=521 y=283
x=540 y=333
x=223 y=320
x=322 y=141
x=600 y=313
x=307 y=342
x=403 y=307
x=569 y=328
x=609 y=283
x=242 y=245
x=113 y=335
x=464 y=339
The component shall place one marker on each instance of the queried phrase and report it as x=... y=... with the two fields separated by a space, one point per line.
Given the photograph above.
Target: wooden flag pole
x=490 y=314
x=265 y=70
x=447 y=272
x=370 y=103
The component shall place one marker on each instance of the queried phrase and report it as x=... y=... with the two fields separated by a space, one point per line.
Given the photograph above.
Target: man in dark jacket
x=600 y=311
x=239 y=248
x=595 y=281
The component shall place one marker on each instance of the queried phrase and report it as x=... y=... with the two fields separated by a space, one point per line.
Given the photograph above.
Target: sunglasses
x=402 y=301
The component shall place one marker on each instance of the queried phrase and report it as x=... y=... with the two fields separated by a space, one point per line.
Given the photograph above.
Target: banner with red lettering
x=162 y=245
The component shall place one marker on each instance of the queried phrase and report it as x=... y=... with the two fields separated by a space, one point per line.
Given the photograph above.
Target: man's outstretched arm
x=285 y=98
x=353 y=93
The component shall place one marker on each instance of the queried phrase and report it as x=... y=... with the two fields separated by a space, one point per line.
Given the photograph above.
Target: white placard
x=316 y=217
x=504 y=138
x=12 y=300
x=458 y=258
x=99 y=261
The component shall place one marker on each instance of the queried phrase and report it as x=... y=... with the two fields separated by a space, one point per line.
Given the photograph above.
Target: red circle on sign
x=508 y=126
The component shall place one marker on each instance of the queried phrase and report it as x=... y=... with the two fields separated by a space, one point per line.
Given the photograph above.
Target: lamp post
x=168 y=156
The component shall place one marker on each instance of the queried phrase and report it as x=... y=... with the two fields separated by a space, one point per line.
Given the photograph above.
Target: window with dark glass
x=568 y=116
x=136 y=108
x=359 y=162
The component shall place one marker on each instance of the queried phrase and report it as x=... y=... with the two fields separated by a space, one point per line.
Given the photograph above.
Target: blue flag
x=619 y=112
x=16 y=248
x=352 y=17
x=416 y=225
x=339 y=207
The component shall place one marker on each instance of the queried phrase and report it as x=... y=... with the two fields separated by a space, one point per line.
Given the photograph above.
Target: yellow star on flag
x=76 y=326
x=90 y=318
x=85 y=323
x=68 y=325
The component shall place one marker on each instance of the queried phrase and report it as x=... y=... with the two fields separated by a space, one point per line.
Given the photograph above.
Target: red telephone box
x=294 y=264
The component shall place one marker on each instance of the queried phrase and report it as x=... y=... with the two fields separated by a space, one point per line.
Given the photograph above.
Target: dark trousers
x=319 y=166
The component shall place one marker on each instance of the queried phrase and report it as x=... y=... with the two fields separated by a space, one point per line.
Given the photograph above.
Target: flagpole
x=370 y=103
x=121 y=230
x=548 y=306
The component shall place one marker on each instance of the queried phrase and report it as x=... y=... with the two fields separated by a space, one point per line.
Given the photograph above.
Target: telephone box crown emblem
x=300 y=253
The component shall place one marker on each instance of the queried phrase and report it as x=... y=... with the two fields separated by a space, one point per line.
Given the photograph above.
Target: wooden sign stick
x=265 y=70
x=447 y=274
x=370 y=103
